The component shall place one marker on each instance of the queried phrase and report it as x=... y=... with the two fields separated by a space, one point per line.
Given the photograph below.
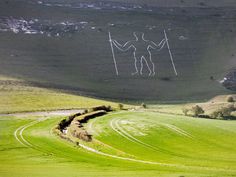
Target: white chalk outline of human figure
x=147 y=57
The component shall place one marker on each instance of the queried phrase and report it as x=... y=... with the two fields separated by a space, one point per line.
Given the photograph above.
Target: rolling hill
x=53 y=45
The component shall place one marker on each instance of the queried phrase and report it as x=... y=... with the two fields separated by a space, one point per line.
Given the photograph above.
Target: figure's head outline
x=138 y=35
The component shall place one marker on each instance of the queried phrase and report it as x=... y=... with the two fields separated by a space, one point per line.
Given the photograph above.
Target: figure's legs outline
x=147 y=63
x=135 y=65
x=141 y=63
x=152 y=64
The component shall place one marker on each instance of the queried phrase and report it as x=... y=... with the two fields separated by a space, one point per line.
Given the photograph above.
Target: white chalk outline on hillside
x=113 y=55
x=170 y=53
x=150 y=44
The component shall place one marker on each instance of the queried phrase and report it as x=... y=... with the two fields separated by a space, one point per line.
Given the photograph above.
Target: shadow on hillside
x=223 y=118
x=229 y=118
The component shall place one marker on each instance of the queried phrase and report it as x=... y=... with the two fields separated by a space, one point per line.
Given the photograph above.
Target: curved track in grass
x=157 y=147
x=114 y=123
x=185 y=132
x=20 y=138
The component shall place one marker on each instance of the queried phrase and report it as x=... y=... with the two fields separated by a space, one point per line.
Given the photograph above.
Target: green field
x=141 y=144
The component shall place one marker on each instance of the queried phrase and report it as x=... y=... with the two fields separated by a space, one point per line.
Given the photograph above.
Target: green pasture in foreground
x=170 y=145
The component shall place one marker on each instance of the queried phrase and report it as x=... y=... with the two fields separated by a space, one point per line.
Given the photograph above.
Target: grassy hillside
x=177 y=3
x=167 y=146
x=18 y=96
x=169 y=139
x=165 y=3
x=202 y=42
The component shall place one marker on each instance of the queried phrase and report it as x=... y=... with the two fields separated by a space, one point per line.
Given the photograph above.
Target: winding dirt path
x=65 y=112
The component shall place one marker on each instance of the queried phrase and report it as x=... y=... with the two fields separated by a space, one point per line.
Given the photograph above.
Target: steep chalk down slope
x=66 y=45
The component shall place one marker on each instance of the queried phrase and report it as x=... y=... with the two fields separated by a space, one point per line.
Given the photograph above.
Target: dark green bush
x=226 y=111
x=99 y=108
x=230 y=99
x=185 y=111
x=223 y=112
x=197 y=110
x=120 y=106
x=143 y=105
